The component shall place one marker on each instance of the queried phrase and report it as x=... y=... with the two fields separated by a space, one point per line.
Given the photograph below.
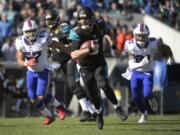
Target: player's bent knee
x=78 y=91
x=34 y=101
x=102 y=84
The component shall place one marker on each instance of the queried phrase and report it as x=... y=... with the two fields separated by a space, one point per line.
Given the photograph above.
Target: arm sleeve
x=45 y=38
x=75 y=39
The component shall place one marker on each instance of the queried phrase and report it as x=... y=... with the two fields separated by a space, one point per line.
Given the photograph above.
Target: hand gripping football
x=31 y=62
x=90 y=43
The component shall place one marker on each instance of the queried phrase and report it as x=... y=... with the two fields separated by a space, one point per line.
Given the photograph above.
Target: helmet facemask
x=141 y=34
x=52 y=19
x=86 y=24
x=31 y=35
x=86 y=18
x=141 y=40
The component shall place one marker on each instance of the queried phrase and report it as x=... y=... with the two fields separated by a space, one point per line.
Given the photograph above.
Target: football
x=86 y=44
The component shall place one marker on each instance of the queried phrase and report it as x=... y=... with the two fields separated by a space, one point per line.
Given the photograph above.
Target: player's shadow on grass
x=9 y=126
x=150 y=123
x=154 y=129
x=80 y=124
x=167 y=120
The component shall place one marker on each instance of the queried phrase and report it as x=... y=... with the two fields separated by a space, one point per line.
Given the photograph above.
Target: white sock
x=84 y=104
x=115 y=106
x=91 y=108
x=45 y=112
x=99 y=110
x=55 y=102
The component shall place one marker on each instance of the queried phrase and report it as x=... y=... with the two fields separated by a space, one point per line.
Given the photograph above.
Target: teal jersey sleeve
x=107 y=29
x=73 y=36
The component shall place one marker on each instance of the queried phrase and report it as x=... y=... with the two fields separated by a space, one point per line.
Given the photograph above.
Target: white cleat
x=144 y=118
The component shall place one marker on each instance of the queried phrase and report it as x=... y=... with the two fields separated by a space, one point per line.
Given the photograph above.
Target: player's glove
x=30 y=62
x=144 y=61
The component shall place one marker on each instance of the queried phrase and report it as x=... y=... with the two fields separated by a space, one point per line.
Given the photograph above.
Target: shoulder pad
x=44 y=37
x=42 y=34
x=19 y=38
x=73 y=35
x=129 y=45
x=130 y=41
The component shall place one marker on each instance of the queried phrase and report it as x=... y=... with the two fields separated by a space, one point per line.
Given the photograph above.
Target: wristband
x=91 y=50
x=114 y=46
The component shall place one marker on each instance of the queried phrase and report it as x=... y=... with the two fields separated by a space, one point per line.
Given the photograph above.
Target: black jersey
x=58 y=55
x=78 y=36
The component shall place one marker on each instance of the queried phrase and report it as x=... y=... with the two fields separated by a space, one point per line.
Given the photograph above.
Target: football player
x=32 y=48
x=60 y=32
x=141 y=50
x=92 y=61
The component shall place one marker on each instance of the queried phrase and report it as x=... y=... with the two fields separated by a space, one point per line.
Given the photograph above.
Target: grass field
x=157 y=125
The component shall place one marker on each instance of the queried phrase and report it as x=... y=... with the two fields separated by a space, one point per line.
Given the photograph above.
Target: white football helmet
x=30 y=29
x=141 y=34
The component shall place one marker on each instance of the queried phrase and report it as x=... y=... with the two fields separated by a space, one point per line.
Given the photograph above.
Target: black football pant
x=93 y=80
x=73 y=81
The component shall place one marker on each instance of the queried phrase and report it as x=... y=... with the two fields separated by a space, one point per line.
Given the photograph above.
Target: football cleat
x=99 y=120
x=61 y=112
x=143 y=119
x=87 y=116
x=121 y=113
x=153 y=103
x=48 y=120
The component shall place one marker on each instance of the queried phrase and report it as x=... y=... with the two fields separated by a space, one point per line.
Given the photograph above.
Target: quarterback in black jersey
x=91 y=59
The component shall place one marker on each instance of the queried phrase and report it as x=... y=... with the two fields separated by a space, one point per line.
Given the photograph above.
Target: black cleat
x=120 y=112
x=87 y=116
x=99 y=120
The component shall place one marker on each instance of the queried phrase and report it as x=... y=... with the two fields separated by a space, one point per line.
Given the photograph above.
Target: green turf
x=157 y=125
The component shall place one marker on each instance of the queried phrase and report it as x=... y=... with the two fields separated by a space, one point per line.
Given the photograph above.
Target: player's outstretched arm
x=111 y=42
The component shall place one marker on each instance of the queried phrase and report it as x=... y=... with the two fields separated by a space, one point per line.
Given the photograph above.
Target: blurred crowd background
x=120 y=15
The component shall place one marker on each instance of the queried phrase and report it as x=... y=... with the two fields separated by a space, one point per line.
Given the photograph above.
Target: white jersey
x=132 y=48
x=37 y=50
